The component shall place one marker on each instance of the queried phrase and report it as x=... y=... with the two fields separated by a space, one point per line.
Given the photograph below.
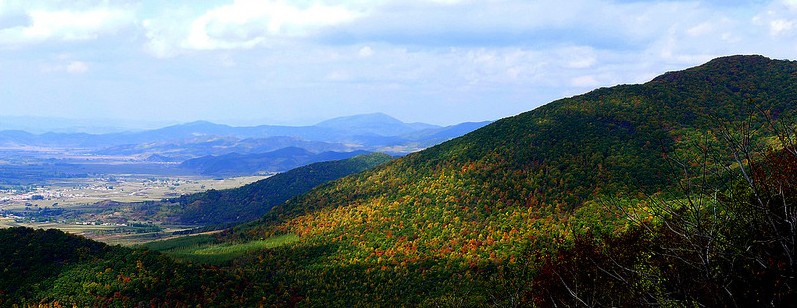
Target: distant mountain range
x=217 y=149
x=367 y=130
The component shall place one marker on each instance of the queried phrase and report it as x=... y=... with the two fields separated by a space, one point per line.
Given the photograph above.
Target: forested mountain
x=275 y=161
x=563 y=154
x=253 y=200
x=526 y=185
x=621 y=196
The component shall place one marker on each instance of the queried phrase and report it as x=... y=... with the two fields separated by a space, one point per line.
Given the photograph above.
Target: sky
x=251 y=62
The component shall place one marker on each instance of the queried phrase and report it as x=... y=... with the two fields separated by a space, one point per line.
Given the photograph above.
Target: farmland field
x=101 y=208
x=120 y=188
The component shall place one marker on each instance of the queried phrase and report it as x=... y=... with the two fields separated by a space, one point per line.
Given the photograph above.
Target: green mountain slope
x=524 y=183
x=252 y=201
x=569 y=151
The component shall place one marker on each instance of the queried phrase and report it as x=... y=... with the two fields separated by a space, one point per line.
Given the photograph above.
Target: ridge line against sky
x=249 y=62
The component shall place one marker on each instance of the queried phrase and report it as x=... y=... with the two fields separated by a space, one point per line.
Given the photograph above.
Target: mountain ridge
x=370 y=132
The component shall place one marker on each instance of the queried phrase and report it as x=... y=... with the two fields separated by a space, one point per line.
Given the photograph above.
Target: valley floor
x=100 y=207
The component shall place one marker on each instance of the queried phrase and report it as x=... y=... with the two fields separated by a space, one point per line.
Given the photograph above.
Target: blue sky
x=247 y=62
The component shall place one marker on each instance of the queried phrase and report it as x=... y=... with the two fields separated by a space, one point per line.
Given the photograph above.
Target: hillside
x=571 y=150
x=559 y=206
x=253 y=200
x=527 y=183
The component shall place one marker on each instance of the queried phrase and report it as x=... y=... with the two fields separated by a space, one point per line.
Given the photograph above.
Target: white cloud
x=275 y=24
x=161 y=35
x=780 y=26
x=66 y=25
x=241 y=25
x=778 y=19
x=248 y=23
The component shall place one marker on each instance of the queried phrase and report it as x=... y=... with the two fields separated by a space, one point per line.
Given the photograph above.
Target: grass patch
x=180 y=242
x=206 y=249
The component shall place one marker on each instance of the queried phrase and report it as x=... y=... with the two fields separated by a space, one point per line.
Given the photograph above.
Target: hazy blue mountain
x=378 y=124
x=274 y=161
x=344 y=128
x=14 y=136
x=216 y=143
x=196 y=128
x=180 y=150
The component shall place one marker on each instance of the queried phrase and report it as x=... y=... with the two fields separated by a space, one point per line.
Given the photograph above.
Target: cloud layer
x=440 y=61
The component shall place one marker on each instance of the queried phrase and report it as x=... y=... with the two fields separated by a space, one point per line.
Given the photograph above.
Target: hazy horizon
x=38 y=124
x=243 y=62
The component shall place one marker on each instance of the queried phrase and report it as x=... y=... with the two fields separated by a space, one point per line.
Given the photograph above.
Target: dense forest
x=251 y=201
x=674 y=192
x=56 y=268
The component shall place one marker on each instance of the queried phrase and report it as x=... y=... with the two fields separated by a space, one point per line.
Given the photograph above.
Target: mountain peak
x=726 y=60
x=378 y=124
x=728 y=66
x=200 y=123
x=376 y=117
